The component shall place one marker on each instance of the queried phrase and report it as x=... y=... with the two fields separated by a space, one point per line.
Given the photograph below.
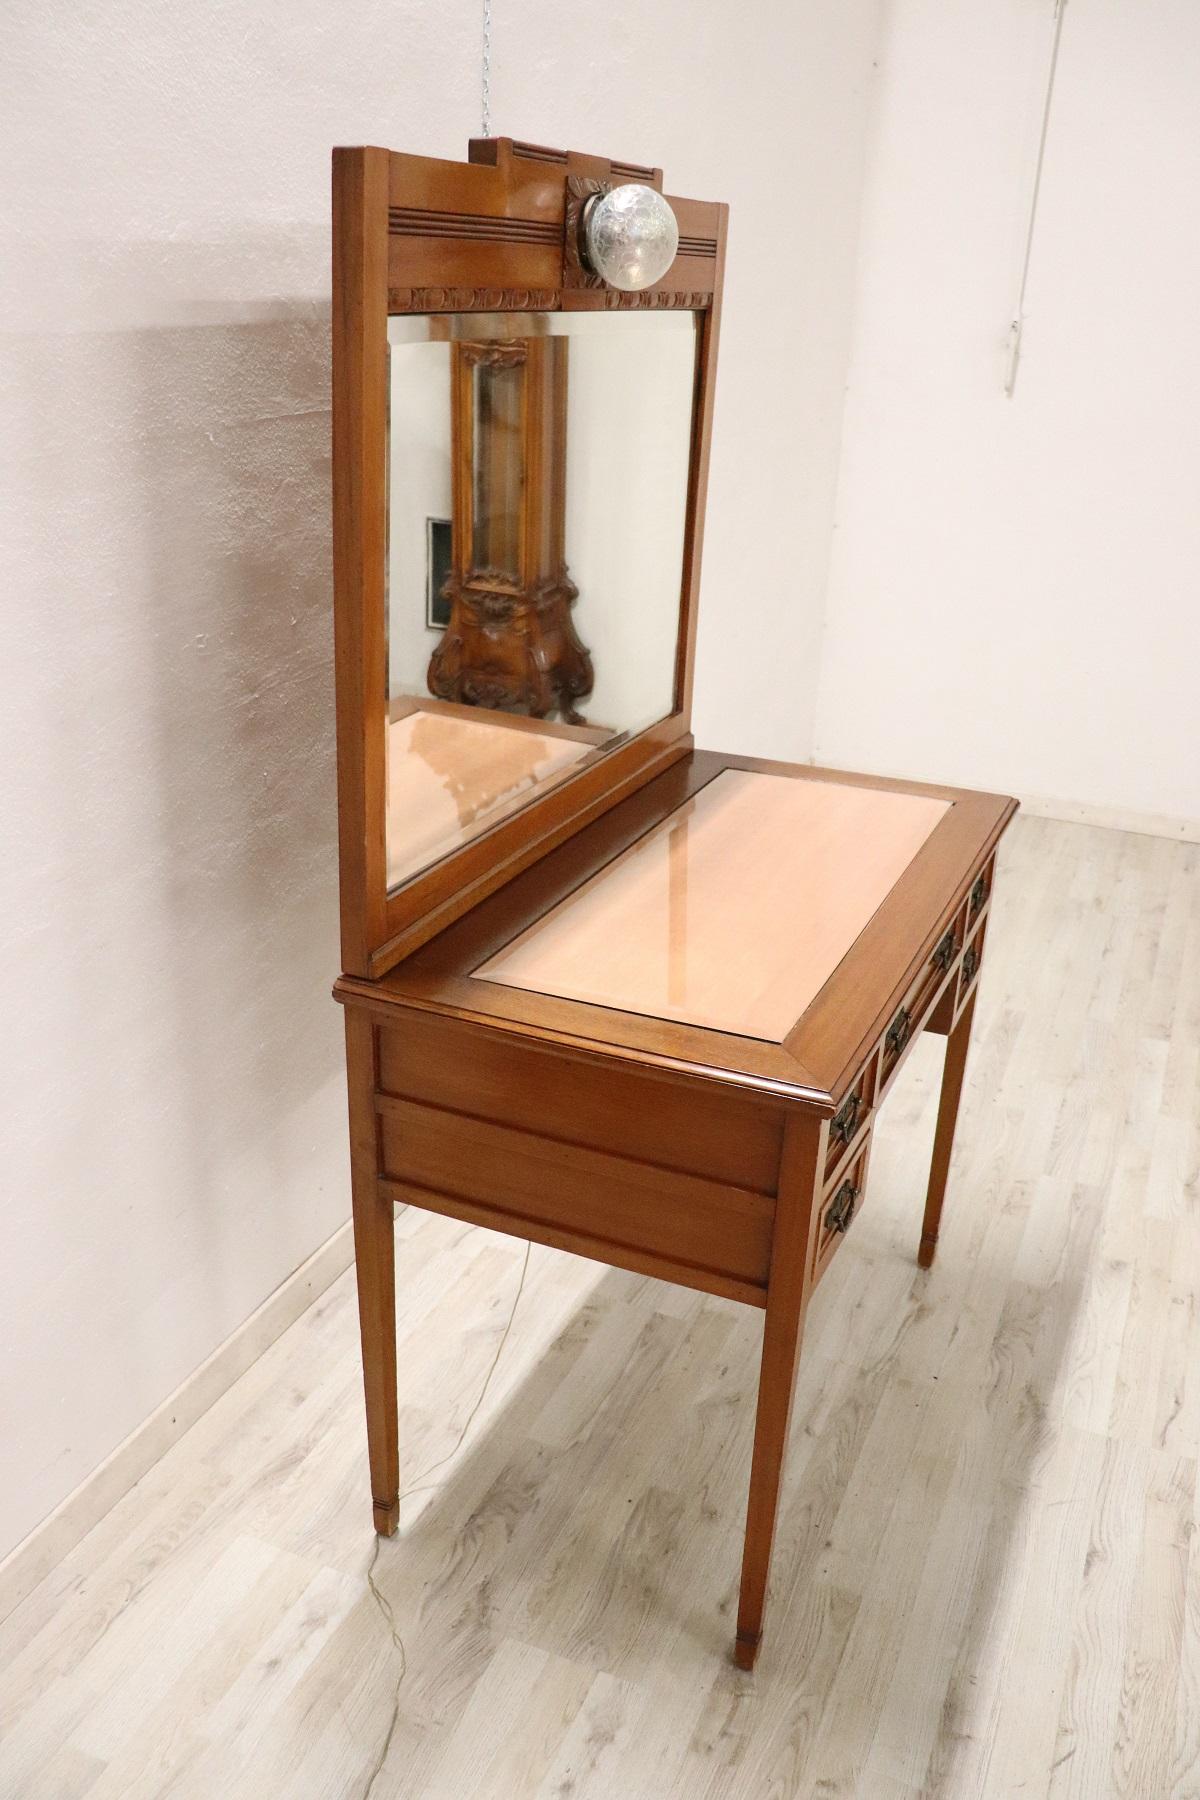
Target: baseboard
x=35 y=1556
x=1112 y=818
x=1040 y=806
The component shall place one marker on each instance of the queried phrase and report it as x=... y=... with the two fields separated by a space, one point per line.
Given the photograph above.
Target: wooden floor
x=987 y=1581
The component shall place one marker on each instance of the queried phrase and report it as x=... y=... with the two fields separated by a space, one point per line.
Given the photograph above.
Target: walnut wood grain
x=662 y=1212
x=359 y=395
x=537 y=1088
x=419 y=234
x=671 y=1145
x=511 y=641
x=828 y=1042
x=374 y=1254
x=804 y=1153
x=699 y=1156
x=958 y=1043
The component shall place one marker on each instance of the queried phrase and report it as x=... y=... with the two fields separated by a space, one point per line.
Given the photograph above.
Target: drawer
x=840 y=1206
x=850 y=1116
x=909 y=1018
x=469 y=1069
x=586 y=1200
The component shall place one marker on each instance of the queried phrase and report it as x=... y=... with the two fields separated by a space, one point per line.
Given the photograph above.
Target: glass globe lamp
x=630 y=236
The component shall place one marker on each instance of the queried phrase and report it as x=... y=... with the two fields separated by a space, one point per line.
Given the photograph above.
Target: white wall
x=629 y=409
x=1013 y=590
x=630 y=387
x=420 y=488
x=173 y=1126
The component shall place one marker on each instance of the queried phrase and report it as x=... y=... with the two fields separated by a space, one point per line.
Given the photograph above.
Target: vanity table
x=603 y=990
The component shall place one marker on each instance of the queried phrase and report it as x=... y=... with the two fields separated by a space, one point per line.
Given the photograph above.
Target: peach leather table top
x=734 y=911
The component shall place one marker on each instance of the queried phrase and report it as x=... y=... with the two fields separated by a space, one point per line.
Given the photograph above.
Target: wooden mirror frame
x=414 y=234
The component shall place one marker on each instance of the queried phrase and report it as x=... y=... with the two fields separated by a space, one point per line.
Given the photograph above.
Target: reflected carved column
x=511 y=644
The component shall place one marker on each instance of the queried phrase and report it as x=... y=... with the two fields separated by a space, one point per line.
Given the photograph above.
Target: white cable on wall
x=1018 y=320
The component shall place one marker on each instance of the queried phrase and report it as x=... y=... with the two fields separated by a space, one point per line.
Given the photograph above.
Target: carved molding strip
x=448 y=299
x=657 y=297
x=539 y=153
x=622 y=171
x=494 y=356
x=416 y=221
x=697 y=246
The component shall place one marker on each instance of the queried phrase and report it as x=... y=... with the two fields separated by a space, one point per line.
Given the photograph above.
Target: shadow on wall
x=192 y=701
x=233 y=437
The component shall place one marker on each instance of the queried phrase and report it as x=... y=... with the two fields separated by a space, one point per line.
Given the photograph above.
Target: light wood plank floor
x=986 y=1581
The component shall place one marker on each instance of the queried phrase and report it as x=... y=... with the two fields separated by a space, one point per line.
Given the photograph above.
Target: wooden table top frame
x=729 y=1163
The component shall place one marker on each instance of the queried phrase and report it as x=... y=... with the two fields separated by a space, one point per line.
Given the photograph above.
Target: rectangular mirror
x=538 y=468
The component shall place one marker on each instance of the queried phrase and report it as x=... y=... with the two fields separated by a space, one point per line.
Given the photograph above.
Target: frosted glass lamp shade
x=630 y=236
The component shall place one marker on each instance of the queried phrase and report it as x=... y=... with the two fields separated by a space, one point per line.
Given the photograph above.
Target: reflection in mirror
x=540 y=629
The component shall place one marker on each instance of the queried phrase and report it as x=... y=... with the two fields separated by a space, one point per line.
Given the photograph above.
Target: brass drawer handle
x=970 y=964
x=841 y=1126
x=897 y=1032
x=946 y=951
x=841 y=1208
x=979 y=894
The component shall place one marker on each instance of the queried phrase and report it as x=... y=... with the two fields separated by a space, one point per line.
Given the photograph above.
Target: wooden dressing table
x=603 y=991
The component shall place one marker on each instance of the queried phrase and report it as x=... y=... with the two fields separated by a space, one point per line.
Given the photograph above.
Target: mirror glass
x=537 y=510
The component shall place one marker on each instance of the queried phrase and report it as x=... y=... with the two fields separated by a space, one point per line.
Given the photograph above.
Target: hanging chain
x=487 y=68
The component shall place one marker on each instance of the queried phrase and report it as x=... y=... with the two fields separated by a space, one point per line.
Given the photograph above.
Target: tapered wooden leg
x=782 y=1329
x=957 y=1044
x=375 y=1257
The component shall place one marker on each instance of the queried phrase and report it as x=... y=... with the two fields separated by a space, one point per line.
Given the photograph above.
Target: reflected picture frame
x=437 y=568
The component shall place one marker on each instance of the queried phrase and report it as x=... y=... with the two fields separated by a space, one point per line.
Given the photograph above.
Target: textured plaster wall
x=173 y=1139
x=1012 y=597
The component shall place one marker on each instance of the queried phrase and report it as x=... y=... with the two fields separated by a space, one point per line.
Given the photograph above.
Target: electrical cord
x=423 y=1486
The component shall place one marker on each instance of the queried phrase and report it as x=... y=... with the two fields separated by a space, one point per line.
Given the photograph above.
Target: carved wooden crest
x=580 y=189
